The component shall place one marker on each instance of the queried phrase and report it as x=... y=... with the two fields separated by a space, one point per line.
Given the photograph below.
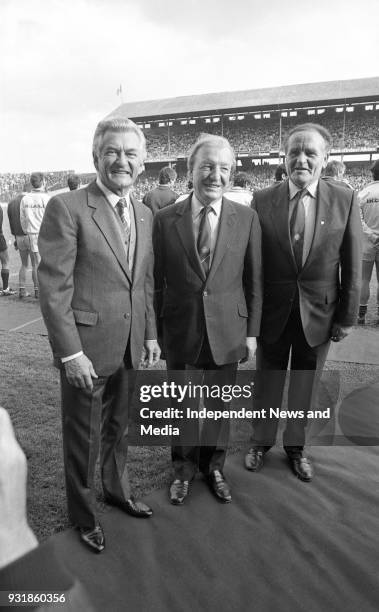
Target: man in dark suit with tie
x=96 y=282
x=208 y=283
x=311 y=245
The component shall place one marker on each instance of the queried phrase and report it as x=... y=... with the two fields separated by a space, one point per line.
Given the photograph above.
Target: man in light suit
x=208 y=283
x=311 y=245
x=96 y=280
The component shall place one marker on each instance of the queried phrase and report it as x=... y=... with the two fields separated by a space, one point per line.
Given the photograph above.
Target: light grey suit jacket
x=90 y=300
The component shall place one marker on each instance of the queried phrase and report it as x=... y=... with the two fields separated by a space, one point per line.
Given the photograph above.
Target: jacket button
x=126 y=315
x=205 y=293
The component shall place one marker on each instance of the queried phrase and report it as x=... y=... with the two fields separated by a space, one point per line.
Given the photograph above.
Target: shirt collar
x=196 y=206
x=311 y=189
x=112 y=198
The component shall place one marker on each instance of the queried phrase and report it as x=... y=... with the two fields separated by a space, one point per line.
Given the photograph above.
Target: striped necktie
x=123 y=213
x=297 y=227
x=204 y=238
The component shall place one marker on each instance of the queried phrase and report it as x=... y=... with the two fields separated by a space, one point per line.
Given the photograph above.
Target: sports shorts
x=27 y=243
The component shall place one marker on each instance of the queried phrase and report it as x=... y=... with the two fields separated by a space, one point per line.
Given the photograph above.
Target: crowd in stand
x=355 y=130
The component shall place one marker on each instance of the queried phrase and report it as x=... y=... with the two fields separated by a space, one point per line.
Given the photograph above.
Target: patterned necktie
x=123 y=212
x=297 y=227
x=204 y=238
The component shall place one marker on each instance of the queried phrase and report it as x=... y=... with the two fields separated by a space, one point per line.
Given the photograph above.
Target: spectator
x=335 y=171
x=280 y=173
x=163 y=195
x=183 y=196
x=4 y=258
x=73 y=182
x=32 y=210
x=240 y=192
x=368 y=200
x=19 y=239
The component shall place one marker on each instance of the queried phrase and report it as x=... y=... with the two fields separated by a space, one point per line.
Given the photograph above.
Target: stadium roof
x=337 y=92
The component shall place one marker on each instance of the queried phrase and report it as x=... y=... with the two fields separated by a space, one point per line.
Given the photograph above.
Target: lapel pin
x=322 y=222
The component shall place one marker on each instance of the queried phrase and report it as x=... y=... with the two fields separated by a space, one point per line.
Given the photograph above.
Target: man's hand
x=339 y=332
x=251 y=347
x=150 y=353
x=16 y=537
x=80 y=372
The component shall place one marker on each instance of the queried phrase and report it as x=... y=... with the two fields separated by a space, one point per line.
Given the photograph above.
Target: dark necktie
x=123 y=212
x=204 y=238
x=297 y=227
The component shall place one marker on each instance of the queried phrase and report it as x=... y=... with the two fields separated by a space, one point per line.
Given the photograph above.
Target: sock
x=5 y=277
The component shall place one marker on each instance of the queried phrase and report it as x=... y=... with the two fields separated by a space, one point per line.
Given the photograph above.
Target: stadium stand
x=255 y=122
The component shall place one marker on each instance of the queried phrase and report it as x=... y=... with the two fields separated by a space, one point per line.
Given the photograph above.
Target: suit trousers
x=305 y=370
x=202 y=446
x=96 y=422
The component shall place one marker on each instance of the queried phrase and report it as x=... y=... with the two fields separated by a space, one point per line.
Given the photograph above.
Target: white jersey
x=368 y=200
x=32 y=209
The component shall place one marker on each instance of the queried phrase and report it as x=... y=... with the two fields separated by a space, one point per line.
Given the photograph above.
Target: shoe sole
x=177 y=502
x=222 y=499
x=303 y=479
x=94 y=549
x=258 y=469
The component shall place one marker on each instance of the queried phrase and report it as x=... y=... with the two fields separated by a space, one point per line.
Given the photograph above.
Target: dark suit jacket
x=159 y=197
x=329 y=281
x=89 y=298
x=227 y=303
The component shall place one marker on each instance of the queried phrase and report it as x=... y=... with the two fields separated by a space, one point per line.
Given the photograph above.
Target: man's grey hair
x=311 y=127
x=213 y=140
x=117 y=124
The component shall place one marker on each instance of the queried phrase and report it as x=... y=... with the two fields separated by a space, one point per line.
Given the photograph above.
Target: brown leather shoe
x=302 y=468
x=254 y=459
x=219 y=486
x=131 y=506
x=179 y=491
x=93 y=538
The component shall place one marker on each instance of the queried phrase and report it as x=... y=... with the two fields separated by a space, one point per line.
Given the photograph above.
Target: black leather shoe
x=132 y=506
x=219 y=486
x=179 y=491
x=254 y=459
x=302 y=468
x=93 y=538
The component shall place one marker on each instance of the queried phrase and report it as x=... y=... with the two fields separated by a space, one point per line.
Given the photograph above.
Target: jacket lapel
x=184 y=227
x=107 y=224
x=226 y=235
x=323 y=218
x=140 y=235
